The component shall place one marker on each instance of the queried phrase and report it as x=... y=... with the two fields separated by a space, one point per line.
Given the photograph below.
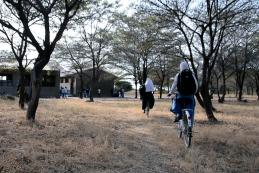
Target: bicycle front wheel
x=187 y=137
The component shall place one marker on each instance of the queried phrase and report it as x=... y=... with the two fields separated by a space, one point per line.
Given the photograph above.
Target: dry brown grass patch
x=113 y=135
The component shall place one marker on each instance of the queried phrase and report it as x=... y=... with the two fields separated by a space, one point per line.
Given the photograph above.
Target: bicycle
x=184 y=126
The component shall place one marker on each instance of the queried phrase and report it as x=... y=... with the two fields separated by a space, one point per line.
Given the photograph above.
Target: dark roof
x=87 y=71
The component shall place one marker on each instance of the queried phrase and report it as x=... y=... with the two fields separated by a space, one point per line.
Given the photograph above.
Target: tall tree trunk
x=257 y=92
x=199 y=99
x=222 y=99
x=81 y=85
x=93 y=80
x=240 y=92
x=256 y=77
x=144 y=72
x=21 y=87
x=160 y=91
x=207 y=103
x=161 y=86
x=92 y=89
x=218 y=89
x=206 y=96
x=241 y=84
x=36 y=76
x=136 y=88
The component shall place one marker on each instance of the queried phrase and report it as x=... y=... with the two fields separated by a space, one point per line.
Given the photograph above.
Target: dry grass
x=113 y=136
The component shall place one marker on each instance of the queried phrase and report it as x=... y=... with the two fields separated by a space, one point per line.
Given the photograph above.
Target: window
x=2 y=77
x=49 y=81
x=66 y=80
x=6 y=80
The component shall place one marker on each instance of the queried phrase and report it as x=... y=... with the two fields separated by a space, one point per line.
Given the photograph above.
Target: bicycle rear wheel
x=187 y=136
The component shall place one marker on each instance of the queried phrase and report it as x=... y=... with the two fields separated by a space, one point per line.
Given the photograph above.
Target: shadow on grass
x=206 y=122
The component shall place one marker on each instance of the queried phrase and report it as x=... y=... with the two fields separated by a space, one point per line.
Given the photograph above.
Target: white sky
x=33 y=54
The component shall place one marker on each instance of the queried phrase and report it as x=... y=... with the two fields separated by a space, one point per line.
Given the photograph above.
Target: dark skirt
x=148 y=97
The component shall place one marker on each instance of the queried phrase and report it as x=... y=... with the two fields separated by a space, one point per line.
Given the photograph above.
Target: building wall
x=54 y=90
x=69 y=83
x=106 y=84
x=9 y=89
x=45 y=91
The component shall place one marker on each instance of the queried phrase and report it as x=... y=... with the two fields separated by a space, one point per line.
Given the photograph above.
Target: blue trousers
x=177 y=104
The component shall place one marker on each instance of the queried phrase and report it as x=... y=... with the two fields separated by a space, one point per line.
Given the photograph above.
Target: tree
x=123 y=84
x=19 y=49
x=202 y=25
x=134 y=45
x=95 y=28
x=253 y=65
x=167 y=57
x=243 y=54
x=46 y=14
x=72 y=55
x=163 y=69
x=125 y=54
x=223 y=69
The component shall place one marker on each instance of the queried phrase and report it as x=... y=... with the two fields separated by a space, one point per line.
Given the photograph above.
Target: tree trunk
x=240 y=93
x=218 y=89
x=144 y=72
x=199 y=99
x=81 y=85
x=222 y=99
x=160 y=91
x=136 y=89
x=257 y=92
x=35 y=94
x=92 y=89
x=161 y=87
x=207 y=103
x=206 y=96
x=21 y=88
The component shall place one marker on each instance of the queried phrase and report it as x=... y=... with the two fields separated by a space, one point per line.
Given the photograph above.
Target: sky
x=33 y=54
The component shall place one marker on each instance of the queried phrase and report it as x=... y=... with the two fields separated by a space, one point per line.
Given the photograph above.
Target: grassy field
x=114 y=136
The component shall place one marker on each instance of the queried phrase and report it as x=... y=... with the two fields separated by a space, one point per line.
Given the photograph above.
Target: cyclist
x=146 y=92
x=185 y=85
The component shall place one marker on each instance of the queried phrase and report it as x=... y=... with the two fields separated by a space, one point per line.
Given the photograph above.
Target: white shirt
x=149 y=85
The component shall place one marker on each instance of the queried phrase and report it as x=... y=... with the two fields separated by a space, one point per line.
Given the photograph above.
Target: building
x=9 y=81
x=105 y=84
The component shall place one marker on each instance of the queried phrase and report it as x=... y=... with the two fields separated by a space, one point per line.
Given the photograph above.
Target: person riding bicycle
x=185 y=85
x=146 y=94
